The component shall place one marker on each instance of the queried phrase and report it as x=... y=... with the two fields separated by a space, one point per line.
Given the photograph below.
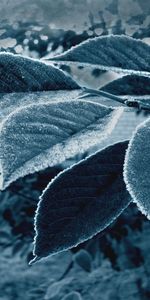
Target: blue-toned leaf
x=42 y=135
x=9 y=102
x=133 y=85
x=112 y=52
x=137 y=167
x=83 y=259
x=25 y=81
x=81 y=201
x=22 y=74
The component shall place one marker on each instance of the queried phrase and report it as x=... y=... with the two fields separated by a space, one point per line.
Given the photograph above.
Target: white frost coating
x=22 y=74
x=101 y=67
x=9 y=102
x=38 y=136
x=111 y=52
x=137 y=167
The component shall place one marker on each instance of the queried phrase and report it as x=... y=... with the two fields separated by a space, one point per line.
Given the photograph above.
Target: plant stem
x=104 y=94
x=138 y=104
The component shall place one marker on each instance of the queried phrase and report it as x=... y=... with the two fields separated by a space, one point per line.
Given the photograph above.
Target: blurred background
x=115 y=264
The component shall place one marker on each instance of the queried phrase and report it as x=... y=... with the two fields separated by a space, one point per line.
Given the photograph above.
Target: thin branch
x=93 y=92
x=138 y=104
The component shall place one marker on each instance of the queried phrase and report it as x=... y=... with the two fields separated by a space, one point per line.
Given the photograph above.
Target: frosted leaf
x=81 y=201
x=24 y=81
x=42 y=135
x=22 y=74
x=9 y=102
x=137 y=167
x=112 y=52
x=133 y=85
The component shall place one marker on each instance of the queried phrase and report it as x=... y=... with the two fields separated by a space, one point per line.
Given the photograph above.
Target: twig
x=138 y=104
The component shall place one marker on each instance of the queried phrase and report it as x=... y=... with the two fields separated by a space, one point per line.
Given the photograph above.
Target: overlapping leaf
x=137 y=167
x=132 y=85
x=9 y=102
x=22 y=74
x=24 y=81
x=42 y=135
x=113 y=52
x=81 y=201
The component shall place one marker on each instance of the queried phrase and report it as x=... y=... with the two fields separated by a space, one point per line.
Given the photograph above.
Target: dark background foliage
x=120 y=255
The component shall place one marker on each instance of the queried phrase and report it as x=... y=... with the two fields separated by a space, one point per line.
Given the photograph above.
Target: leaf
x=22 y=74
x=133 y=85
x=25 y=81
x=112 y=52
x=38 y=136
x=84 y=260
x=9 y=102
x=81 y=201
x=137 y=167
